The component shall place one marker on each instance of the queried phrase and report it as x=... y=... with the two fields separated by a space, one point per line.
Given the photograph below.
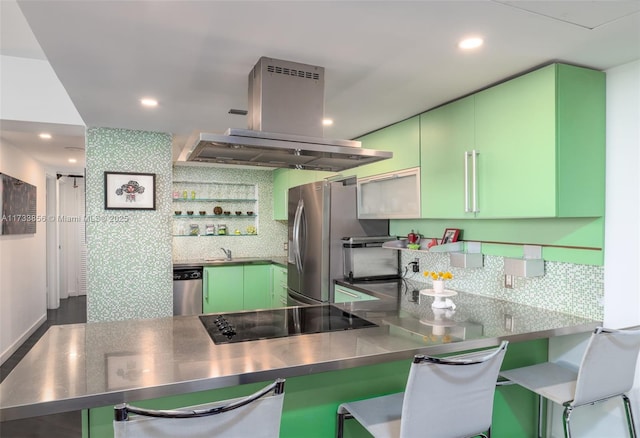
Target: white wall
x=622 y=257
x=23 y=305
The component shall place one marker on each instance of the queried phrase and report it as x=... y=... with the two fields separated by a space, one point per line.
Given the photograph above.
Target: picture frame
x=450 y=235
x=129 y=191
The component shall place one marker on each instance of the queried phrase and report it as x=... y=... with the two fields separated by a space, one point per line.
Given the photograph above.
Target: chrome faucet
x=227 y=252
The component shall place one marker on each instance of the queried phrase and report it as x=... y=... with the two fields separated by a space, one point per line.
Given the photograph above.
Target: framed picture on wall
x=450 y=235
x=129 y=191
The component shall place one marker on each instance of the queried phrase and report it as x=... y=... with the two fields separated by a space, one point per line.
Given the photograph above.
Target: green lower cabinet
x=223 y=289
x=236 y=288
x=257 y=287
x=279 y=286
x=346 y=295
x=311 y=401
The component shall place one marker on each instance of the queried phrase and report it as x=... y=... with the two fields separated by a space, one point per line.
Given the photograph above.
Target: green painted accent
x=224 y=289
x=257 y=287
x=311 y=401
x=279 y=286
x=402 y=138
x=579 y=232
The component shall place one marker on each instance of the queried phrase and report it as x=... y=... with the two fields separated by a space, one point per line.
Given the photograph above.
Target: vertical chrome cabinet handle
x=296 y=235
x=475 y=180
x=466 y=182
x=205 y=279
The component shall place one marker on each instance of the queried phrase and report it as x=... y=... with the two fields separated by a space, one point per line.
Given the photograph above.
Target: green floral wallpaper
x=129 y=266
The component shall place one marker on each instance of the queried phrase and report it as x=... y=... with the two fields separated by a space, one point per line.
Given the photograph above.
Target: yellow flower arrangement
x=438 y=275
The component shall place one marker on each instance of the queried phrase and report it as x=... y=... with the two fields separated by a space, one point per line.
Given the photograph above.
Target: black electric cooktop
x=229 y=328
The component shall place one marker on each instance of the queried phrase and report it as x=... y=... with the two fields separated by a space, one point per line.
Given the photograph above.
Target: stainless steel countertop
x=81 y=366
x=220 y=261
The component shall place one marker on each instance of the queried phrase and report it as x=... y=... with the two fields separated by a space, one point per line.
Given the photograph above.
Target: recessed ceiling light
x=327 y=122
x=45 y=135
x=147 y=101
x=72 y=160
x=470 y=43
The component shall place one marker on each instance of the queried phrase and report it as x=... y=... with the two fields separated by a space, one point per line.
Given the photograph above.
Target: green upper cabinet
x=280 y=194
x=283 y=179
x=402 y=138
x=530 y=147
x=446 y=133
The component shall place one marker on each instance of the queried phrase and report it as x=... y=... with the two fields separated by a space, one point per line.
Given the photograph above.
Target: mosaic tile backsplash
x=271 y=235
x=129 y=267
x=568 y=288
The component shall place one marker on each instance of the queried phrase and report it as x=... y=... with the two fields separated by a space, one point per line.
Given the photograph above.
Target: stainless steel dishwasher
x=187 y=291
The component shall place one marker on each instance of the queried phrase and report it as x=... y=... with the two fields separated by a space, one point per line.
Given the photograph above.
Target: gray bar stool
x=607 y=370
x=257 y=415
x=443 y=398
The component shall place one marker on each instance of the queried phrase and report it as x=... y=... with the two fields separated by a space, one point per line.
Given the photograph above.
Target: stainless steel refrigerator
x=321 y=214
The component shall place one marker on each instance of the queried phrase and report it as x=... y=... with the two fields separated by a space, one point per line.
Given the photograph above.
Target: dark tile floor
x=66 y=425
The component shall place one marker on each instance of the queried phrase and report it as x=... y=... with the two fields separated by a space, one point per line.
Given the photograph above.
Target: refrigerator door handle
x=297 y=223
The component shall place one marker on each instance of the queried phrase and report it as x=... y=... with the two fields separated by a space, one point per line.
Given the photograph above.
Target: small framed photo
x=129 y=191
x=450 y=235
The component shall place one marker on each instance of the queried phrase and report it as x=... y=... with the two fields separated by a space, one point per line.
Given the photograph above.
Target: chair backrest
x=451 y=397
x=257 y=415
x=608 y=366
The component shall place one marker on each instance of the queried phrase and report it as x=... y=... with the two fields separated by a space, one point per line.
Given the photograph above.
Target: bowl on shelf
x=249 y=213
x=217 y=210
x=227 y=213
x=202 y=212
x=178 y=212
x=189 y=212
x=238 y=213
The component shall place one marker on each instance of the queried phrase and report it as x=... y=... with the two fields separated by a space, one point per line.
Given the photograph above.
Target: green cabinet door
x=257 y=287
x=402 y=138
x=446 y=133
x=279 y=286
x=515 y=139
x=223 y=289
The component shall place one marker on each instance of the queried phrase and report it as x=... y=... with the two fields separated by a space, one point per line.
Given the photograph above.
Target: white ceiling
x=384 y=60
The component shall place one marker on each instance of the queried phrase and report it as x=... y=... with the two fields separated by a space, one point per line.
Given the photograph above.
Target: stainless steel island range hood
x=286 y=107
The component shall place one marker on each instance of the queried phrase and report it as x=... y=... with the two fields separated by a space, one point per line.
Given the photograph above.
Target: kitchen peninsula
x=97 y=365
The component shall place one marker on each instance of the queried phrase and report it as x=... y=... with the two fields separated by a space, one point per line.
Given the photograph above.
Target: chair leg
x=340 y=423
x=566 y=421
x=630 y=422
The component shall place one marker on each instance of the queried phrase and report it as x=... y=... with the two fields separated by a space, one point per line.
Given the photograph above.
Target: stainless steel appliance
x=285 y=112
x=366 y=259
x=321 y=214
x=276 y=323
x=187 y=291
